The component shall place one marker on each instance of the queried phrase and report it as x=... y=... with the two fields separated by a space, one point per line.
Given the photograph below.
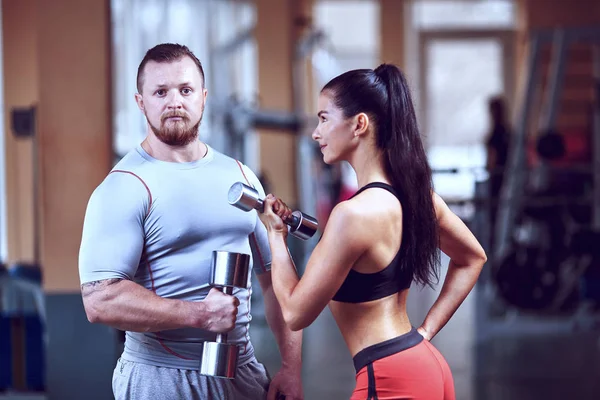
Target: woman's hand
x=424 y=333
x=275 y=212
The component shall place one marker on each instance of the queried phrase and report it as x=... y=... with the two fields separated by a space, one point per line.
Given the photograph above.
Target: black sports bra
x=359 y=287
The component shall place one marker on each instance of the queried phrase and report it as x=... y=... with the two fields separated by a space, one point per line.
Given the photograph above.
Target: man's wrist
x=291 y=359
x=195 y=312
x=291 y=366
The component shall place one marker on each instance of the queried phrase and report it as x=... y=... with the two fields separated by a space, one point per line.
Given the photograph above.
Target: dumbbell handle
x=222 y=337
x=260 y=207
x=291 y=220
x=246 y=198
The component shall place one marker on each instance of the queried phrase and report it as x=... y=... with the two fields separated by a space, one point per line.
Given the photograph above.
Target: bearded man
x=145 y=259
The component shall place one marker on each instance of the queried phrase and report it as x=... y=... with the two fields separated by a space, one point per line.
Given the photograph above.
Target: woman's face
x=334 y=133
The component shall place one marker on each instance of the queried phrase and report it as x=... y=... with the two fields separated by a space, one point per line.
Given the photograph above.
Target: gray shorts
x=136 y=381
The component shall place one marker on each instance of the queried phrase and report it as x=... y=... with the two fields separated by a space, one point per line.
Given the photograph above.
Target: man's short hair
x=166 y=53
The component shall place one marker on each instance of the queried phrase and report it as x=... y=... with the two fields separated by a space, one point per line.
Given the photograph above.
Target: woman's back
x=371 y=304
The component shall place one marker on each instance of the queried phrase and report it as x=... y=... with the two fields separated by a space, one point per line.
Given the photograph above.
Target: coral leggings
x=406 y=367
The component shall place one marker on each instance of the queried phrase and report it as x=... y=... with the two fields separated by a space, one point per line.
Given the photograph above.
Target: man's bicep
x=259 y=241
x=265 y=281
x=113 y=235
x=261 y=251
x=253 y=181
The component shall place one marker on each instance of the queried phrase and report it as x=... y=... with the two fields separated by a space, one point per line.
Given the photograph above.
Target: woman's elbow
x=482 y=257
x=476 y=261
x=296 y=326
x=476 y=257
x=294 y=321
x=473 y=260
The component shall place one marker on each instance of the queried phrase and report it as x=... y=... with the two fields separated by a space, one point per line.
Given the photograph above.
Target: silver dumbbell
x=246 y=198
x=229 y=271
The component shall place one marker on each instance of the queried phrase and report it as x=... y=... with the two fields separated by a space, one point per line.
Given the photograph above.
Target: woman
x=376 y=243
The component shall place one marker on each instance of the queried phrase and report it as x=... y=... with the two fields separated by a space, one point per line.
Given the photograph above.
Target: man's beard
x=176 y=133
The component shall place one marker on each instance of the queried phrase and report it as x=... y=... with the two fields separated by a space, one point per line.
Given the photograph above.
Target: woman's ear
x=361 y=124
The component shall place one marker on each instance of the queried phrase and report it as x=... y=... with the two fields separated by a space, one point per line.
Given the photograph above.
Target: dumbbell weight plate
x=305 y=226
x=244 y=197
x=230 y=269
x=219 y=360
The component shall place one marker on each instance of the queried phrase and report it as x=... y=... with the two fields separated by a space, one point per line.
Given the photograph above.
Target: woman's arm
x=342 y=243
x=467 y=257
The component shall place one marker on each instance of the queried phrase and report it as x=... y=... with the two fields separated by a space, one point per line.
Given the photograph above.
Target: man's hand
x=286 y=385
x=222 y=310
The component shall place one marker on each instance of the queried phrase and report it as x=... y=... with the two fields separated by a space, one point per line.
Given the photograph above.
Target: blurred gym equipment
x=544 y=267
x=546 y=257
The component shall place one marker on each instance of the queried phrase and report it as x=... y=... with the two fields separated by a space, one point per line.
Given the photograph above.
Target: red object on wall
x=578 y=149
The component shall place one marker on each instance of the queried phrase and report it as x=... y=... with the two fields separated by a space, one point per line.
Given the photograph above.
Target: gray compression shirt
x=157 y=223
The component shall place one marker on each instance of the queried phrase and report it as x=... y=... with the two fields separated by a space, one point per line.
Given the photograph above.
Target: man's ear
x=140 y=101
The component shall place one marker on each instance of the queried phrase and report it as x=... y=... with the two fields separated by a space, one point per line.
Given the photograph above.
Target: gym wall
x=57 y=59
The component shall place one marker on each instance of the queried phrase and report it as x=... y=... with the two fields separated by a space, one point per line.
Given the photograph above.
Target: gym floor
x=514 y=358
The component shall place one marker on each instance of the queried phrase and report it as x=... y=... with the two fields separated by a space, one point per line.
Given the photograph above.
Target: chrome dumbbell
x=246 y=198
x=229 y=271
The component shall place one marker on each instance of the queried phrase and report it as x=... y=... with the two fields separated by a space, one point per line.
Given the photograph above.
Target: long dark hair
x=383 y=94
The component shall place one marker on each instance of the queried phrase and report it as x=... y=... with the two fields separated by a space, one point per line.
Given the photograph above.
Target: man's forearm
x=288 y=341
x=127 y=306
x=284 y=273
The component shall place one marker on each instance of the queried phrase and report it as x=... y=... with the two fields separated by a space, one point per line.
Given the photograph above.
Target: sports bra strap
x=380 y=185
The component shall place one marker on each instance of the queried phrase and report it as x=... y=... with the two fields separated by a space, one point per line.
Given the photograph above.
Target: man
x=145 y=259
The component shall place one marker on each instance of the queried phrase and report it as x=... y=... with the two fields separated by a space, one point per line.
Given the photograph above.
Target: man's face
x=172 y=99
